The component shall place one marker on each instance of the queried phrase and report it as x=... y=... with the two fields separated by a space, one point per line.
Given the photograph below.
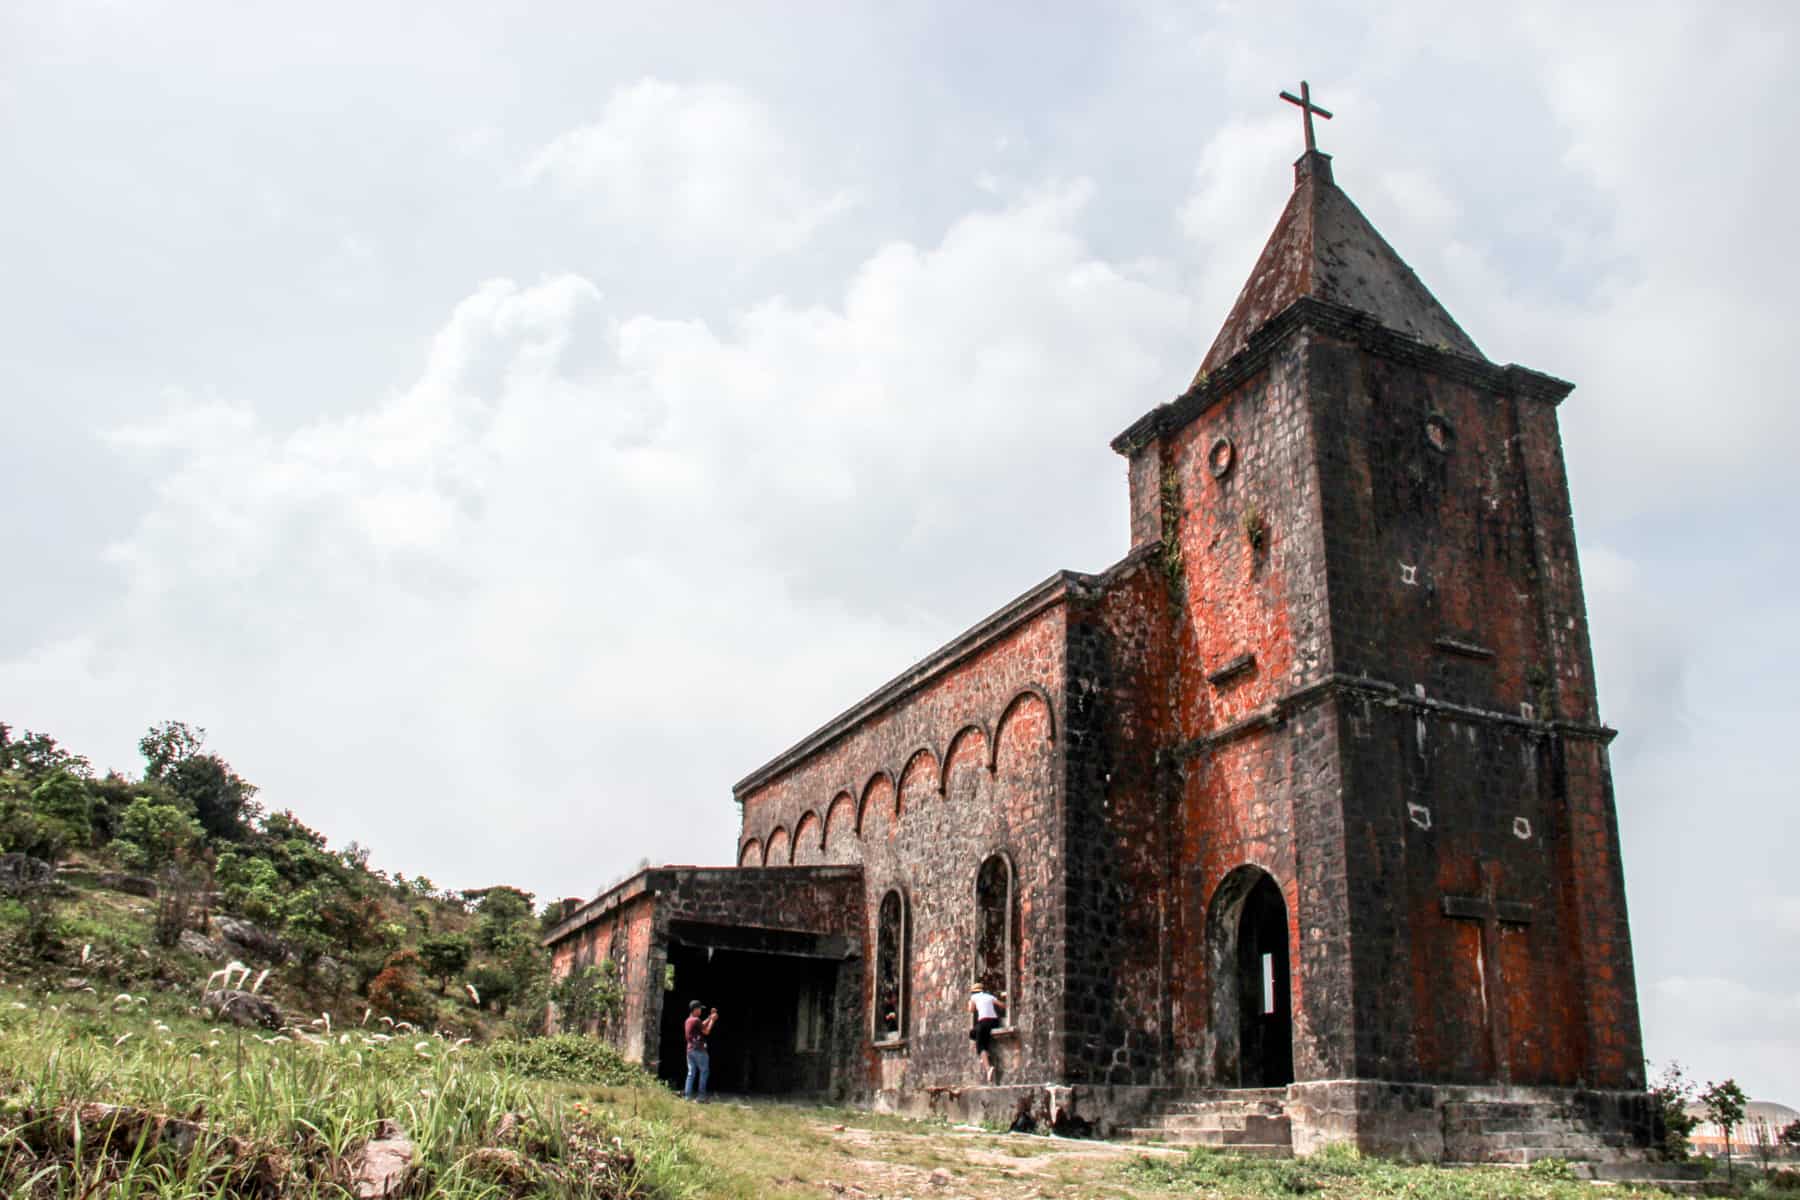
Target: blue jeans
x=699 y=1067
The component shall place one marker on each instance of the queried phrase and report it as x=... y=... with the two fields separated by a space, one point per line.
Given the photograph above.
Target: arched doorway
x=1252 y=1002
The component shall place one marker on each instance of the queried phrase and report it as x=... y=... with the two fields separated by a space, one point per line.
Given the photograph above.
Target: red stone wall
x=1260 y=781
x=919 y=794
x=625 y=935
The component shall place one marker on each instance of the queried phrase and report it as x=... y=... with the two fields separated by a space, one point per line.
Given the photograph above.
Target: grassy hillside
x=183 y=864
x=129 y=1096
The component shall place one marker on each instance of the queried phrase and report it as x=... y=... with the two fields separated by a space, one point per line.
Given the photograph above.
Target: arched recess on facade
x=841 y=820
x=876 y=809
x=871 y=790
x=777 y=851
x=751 y=855
x=891 y=1012
x=1248 y=964
x=809 y=839
x=998 y=929
x=1030 y=700
x=918 y=778
x=962 y=738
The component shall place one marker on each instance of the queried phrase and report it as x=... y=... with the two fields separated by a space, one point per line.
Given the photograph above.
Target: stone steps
x=1242 y=1120
x=1157 y=1135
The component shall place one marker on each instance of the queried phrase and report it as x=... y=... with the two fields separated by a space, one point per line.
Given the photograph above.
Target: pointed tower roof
x=1324 y=248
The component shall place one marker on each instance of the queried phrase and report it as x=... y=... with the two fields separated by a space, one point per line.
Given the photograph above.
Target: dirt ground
x=958 y=1163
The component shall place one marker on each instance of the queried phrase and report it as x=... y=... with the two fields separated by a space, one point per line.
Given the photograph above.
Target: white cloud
x=703 y=167
x=589 y=559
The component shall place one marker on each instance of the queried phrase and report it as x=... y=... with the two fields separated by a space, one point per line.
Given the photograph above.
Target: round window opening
x=1440 y=435
x=1219 y=458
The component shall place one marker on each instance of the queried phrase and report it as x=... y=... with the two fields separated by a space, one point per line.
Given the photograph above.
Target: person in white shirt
x=986 y=1008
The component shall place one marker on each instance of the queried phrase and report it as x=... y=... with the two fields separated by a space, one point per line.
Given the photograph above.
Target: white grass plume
x=225 y=974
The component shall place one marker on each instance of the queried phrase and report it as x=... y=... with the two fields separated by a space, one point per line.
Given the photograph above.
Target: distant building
x=1763 y=1122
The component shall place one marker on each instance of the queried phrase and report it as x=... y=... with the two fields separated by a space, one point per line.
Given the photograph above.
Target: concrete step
x=1169 y=1137
x=1277 y=1095
x=1248 y=1127
x=1642 y=1171
x=1232 y=1105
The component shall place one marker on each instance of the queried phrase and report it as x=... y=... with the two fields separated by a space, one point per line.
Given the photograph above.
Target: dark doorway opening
x=1265 y=1012
x=776 y=1018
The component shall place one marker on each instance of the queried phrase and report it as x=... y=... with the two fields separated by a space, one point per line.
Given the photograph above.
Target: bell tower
x=1385 y=694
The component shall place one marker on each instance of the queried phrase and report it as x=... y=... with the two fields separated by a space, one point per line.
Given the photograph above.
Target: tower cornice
x=1348 y=324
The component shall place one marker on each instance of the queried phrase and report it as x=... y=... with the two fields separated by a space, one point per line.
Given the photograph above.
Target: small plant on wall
x=1256 y=529
x=1171 y=539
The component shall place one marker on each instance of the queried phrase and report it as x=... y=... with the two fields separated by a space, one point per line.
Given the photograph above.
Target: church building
x=1293 y=826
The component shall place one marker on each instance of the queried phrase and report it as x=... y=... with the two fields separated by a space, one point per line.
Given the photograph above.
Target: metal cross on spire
x=1304 y=100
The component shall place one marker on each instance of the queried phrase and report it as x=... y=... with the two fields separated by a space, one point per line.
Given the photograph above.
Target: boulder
x=250 y=939
x=243 y=1008
x=131 y=885
x=201 y=945
x=383 y=1165
x=330 y=972
x=21 y=874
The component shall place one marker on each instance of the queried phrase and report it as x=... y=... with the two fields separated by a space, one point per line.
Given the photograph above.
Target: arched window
x=996 y=931
x=891 y=935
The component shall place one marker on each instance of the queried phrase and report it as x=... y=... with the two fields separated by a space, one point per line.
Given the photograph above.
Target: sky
x=502 y=427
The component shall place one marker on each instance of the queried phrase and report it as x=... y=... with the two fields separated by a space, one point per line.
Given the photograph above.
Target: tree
x=1764 y=1139
x=62 y=797
x=495 y=985
x=1725 y=1108
x=1789 y=1137
x=165 y=745
x=445 y=955
x=395 y=991
x=1671 y=1094
x=501 y=909
x=36 y=755
x=304 y=929
x=219 y=797
x=22 y=829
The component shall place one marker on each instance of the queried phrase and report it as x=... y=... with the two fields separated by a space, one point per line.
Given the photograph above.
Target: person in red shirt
x=699 y=1062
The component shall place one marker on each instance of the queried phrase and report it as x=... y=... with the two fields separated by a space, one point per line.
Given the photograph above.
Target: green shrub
x=23 y=830
x=1670 y=1094
x=152 y=836
x=62 y=798
x=251 y=887
x=570 y=1057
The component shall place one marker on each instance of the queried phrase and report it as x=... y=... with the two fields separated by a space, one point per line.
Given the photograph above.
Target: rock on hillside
x=243 y=1008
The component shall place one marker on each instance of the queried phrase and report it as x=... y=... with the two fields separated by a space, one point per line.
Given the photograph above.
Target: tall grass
x=282 y=1115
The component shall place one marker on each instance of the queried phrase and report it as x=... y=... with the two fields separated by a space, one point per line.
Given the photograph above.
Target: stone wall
x=1116 y=1019
x=818 y=908
x=919 y=785
x=1459 y=628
